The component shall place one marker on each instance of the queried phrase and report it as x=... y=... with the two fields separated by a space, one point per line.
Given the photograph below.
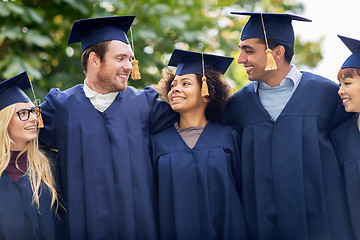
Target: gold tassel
x=135 y=75
x=36 y=102
x=204 y=88
x=270 y=61
x=41 y=122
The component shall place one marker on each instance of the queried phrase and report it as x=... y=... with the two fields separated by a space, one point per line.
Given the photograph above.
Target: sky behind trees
x=337 y=18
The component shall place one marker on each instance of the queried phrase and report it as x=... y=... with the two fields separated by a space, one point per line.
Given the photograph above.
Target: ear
x=93 y=60
x=206 y=99
x=278 y=52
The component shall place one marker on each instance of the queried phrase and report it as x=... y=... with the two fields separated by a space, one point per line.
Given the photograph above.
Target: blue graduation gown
x=19 y=218
x=105 y=165
x=292 y=185
x=198 y=187
x=346 y=140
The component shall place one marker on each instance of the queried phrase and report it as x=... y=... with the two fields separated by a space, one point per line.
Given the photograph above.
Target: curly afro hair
x=219 y=91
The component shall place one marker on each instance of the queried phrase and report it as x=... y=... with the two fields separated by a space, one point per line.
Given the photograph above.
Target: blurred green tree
x=34 y=35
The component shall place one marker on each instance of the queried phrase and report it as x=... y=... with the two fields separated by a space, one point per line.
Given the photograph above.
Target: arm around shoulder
x=48 y=112
x=162 y=116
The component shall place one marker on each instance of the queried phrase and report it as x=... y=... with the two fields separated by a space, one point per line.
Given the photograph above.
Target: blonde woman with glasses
x=28 y=198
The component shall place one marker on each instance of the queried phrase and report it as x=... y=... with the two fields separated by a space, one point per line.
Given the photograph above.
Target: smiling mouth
x=346 y=100
x=123 y=76
x=31 y=128
x=248 y=68
x=174 y=99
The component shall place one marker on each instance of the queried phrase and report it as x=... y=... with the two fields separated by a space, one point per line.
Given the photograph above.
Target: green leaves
x=33 y=37
x=34 y=34
x=10 y=33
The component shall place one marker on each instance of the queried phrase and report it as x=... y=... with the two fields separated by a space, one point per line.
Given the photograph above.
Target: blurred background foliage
x=34 y=36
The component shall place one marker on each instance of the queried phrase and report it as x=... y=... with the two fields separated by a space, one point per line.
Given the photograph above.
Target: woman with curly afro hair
x=218 y=89
x=196 y=162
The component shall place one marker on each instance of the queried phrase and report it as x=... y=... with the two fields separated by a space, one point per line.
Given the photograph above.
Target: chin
x=175 y=109
x=350 y=109
x=250 y=78
x=121 y=88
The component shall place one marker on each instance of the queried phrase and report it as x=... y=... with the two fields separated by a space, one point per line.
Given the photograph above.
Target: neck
x=17 y=147
x=276 y=76
x=93 y=86
x=189 y=120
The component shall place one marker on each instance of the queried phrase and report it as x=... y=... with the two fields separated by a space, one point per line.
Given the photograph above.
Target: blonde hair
x=39 y=169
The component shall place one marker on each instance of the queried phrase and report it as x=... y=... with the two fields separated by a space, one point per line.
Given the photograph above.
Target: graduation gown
x=346 y=140
x=105 y=166
x=292 y=185
x=19 y=218
x=198 y=188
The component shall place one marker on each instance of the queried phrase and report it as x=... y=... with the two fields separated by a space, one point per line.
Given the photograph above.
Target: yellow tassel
x=204 y=88
x=41 y=122
x=270 y=61
x=135 y=75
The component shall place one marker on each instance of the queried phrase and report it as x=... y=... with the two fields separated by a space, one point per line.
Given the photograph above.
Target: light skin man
x=101 y=130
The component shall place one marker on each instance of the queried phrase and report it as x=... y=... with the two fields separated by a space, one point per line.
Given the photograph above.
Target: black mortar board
x=277 y=26
x=191 y=62
x=354 y=45
x=12 y=90
x=94 y=30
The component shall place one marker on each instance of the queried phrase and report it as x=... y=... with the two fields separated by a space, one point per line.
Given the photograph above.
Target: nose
x=175 y=89
x=33 y=117
x=128 y=67
x=341 y=90
x=241 y=59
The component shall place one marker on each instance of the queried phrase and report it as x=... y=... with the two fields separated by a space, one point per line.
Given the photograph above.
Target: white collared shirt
x=294 y=75
x=100 y=101
x=274 y=99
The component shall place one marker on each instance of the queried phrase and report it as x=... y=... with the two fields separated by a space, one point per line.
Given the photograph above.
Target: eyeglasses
x=24 y=114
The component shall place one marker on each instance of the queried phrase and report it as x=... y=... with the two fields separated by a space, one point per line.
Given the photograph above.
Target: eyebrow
x=124 y=55
x=183 y=79
x=245 y=46
x=24 y=108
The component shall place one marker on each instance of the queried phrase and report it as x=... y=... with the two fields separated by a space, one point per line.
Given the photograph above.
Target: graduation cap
x=94 y=30
x=270 y=25
x=354 y=45
x=194 y=62
x=12 y=91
